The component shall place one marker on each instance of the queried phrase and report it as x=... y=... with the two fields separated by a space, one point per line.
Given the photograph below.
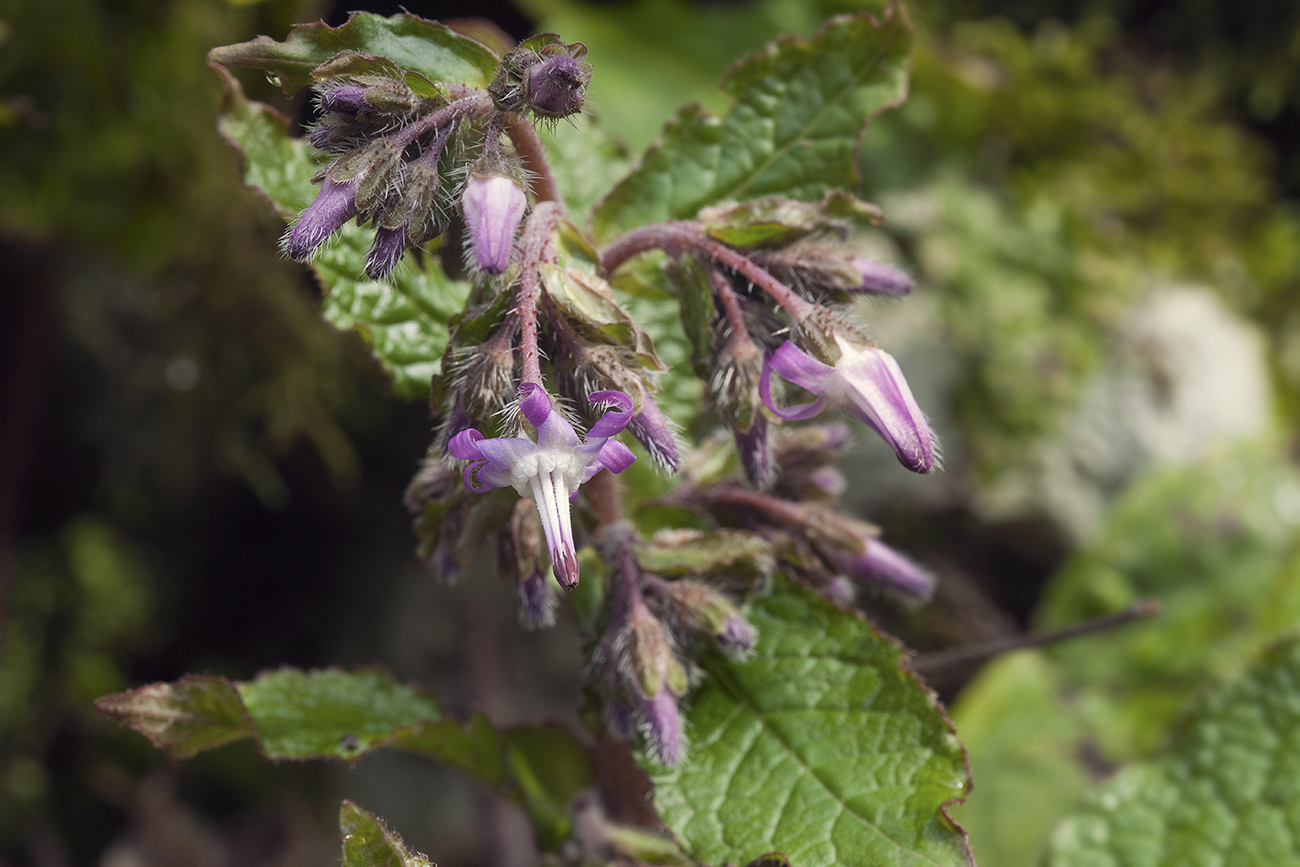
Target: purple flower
x=334 y=205
x=882 y=565
x=494 y=207
x=868 y=384
x=878 y=279
x=551 y=469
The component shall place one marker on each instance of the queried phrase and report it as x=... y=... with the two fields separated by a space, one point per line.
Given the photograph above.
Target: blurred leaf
x=196 y=713
x=472 y=745
x=744 y=556
x=793 y=131
x=403 y=318
x=1227 y=792
x=330 y=713
x=550 y=768
x=367 y=842
x=775 y=221
x=426 y=47
x=823 y=746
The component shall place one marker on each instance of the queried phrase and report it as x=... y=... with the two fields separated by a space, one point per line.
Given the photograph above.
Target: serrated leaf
x=822 y=746
x=196 y=713
x=329 y=712
x=367 y=842
x=800 y=107
x=427 y=47
x=1227 y=792
x=403 y=318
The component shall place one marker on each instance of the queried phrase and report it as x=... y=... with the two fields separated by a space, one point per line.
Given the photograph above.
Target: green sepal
x=588 y=302
x=775 y=221
x=737 y=555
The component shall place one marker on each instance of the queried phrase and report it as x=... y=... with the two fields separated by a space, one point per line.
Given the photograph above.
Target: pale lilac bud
x=536 y=601
x=882 y=565
x=755 y=449
x=334 y=205
x=656 y=432
x=828 y=482
x=494 y=207
x=557 y=86
x=386 y=252
x=879 y=279
x=737 y=637
x=663 y=726
x=346 y=98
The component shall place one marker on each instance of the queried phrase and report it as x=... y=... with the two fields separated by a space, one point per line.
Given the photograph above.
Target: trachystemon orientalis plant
x=695 y=317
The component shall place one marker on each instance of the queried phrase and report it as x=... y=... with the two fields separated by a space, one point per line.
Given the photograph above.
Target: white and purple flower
x=550 y=469
x=867 y=382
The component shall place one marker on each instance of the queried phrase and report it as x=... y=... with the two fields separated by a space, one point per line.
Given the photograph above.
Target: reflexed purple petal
x=553 y=429
x=464 y=445
x=334 y=205
x=879 y=279
x=386 y=251
x=663 y=726
x=790 y=413
x=613 y=421
x=801 y=368
x=494 y=207
x=755 y=449
x=655 y=431
x=615 y=457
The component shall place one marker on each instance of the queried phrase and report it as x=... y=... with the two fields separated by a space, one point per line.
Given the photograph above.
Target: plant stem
x=476 y=102
x=529 y=147
x=674 y=237
x=536 y=242
x=942 y=660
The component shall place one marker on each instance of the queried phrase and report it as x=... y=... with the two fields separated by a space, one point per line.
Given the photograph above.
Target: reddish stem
x=535 y=242
x=529 y=147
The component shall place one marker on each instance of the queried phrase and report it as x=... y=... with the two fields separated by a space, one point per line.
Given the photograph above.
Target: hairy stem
x=675 y=237
x=536 y=242
x=529 y=147
x=474 y=103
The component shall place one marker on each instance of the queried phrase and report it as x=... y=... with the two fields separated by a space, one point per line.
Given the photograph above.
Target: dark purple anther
x=878 y=279
x=557 y=86
x=494 y=207
x=335 y=204
x=386 y=252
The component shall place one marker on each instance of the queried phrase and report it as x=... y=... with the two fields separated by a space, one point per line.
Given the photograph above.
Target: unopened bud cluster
x=544 y=77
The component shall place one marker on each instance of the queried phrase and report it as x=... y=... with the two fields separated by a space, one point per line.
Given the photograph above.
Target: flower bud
x=698 y=608
x=656 y=432
x=663 y=726
x=386 y=252
x=879 y=279
x=334 y=205
x=883 y=566
x=494 y=206
x=755 y=449
x=345 y=98
x=557 y=86
x=519 y=545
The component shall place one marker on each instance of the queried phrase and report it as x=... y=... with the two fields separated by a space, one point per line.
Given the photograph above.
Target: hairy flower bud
x=880 y=279
x=883 y=566
x=494 y=206
x=657 y=433
x=663 y=726
x=335 y=204
x=557 y=86
x=754 y=447
x=346 y=98
x=695 y=607
x=519 y=547
x=386 y=251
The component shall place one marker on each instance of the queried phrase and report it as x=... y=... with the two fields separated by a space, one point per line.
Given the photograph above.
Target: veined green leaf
x=367 y=842
x=800 y=107
x=1227 y=792
x=427 y=47
x=403 y=318
x=821 y=746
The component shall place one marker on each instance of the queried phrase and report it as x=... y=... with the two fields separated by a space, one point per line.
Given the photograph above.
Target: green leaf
x=549 y=768
x=427 y=47
x=1227 y=792
x=823 y=746
x=341 y=714
x=196 y=713
x=367 y=842
x=800 y=107
x=404 y=318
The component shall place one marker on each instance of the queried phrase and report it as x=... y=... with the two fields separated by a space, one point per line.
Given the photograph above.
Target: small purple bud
x=346 y=98
x=494 y=207
x=656 y=432
x=755 y=449
x=663 y=726
x=879 y=564
x=386 y=252
x=557 y=86
x=537 y=603
x=334 y=205
x=878 y=279
x=737 y=637
x=829 y=481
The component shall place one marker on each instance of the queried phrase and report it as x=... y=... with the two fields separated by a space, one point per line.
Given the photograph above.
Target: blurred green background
x=1100 y=202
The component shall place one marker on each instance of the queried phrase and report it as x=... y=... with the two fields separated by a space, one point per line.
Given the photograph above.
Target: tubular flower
x=867 y=382
x=551 y=469
x=494 y=207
